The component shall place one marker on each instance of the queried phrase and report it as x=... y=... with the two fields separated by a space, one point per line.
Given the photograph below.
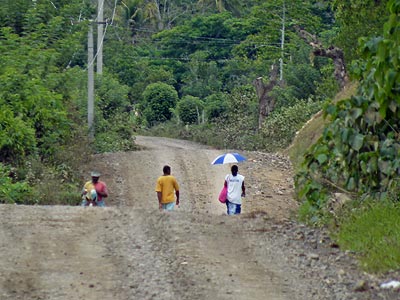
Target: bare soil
x=131 y=250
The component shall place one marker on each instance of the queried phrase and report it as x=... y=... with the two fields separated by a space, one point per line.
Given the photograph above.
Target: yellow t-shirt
x=167 y=185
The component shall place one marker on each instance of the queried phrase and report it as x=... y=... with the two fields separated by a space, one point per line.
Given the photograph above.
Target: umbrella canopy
x=228 y=158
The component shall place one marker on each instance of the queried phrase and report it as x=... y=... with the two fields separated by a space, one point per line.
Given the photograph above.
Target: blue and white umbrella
x=228 y=158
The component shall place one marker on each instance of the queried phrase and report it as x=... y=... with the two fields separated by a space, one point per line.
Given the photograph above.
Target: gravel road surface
x=131 y=250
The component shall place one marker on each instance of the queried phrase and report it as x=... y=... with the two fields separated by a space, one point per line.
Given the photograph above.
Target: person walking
x=236 y=190
x=94 y=190
x=166 y=187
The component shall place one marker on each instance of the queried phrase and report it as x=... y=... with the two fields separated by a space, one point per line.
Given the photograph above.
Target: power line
x=192 y=38
x=207 y=40
x=104 y=33
x=187 y=59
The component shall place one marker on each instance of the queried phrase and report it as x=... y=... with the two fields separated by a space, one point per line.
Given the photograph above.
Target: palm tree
x=234 y=6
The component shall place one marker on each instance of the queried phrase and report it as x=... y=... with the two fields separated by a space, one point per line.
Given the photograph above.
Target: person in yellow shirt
x=167 y=188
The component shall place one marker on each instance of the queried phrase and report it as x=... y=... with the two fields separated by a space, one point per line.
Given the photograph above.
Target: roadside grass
x=373 y=233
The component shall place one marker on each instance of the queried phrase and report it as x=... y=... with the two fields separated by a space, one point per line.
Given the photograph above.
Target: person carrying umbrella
x=236 y=190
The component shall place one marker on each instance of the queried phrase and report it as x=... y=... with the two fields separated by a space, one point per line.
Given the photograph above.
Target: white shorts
x=168 y=206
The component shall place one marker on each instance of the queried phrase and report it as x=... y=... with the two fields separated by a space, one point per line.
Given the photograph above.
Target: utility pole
x=99 y=69
x=100 y=22
x=90 y=83
x=282 y=42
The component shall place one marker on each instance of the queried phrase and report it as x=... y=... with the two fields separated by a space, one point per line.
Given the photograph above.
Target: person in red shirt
x=95 y=189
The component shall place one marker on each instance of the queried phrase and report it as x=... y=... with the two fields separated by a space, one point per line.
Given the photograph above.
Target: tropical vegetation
x=228 y=73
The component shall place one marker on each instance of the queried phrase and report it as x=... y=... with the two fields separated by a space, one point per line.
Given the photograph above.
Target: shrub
x=281 y=126
x=189 y=110
x=115 y=134
x=216 y=106
x=18 y=192
x=159 y=99
x=17 y=138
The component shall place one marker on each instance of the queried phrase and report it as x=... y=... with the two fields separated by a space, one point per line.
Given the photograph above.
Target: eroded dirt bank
x=130 y=250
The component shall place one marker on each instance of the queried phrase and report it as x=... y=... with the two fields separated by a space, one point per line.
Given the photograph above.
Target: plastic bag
x=223 y=194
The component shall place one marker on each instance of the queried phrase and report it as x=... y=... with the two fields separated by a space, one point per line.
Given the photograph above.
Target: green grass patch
x=373 y=232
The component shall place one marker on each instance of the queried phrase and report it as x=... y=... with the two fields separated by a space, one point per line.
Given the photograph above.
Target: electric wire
x=72 y=23
x=103 y=35
x=206 y=41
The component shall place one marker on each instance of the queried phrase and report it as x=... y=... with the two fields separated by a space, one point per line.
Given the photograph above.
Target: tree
x=237 y=7
x=17 y=138
x=274 y=39
x=158 y=100
x=29 y=89
x=356 y=19
x=332 y=52
x=266 y=102
x=216 y=34
x=240 y=118
x=156 y=14
x=216 y=105
x=190 y=109
x=12 y=14
x=201 y=78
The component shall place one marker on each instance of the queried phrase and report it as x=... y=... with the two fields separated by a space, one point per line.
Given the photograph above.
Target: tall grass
x=373 y=232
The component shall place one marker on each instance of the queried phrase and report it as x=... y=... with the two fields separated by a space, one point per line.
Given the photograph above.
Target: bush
x=190 y=109
x=18 y=192
x=115 y=134
x=17 y=138
x=215 y=106
x=281 y=126
x=358 y=151
x=159 y=100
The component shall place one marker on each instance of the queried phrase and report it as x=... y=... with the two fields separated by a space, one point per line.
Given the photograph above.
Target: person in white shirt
x=236 y=190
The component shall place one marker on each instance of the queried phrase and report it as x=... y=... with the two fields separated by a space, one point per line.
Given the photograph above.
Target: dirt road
x=131 y=250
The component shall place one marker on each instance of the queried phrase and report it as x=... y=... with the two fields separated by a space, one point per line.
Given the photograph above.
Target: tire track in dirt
x=53 y=252
x=200 y=245
x=130 y=250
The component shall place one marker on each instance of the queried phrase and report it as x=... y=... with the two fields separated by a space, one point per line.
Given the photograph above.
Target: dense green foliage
x=349 y=14
x=280 y=128
x=159 y=100
x=211 y=55
x=359 y=150
x=183 y=68
x=188 y=109
x=14 y=192
x=42 y=92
